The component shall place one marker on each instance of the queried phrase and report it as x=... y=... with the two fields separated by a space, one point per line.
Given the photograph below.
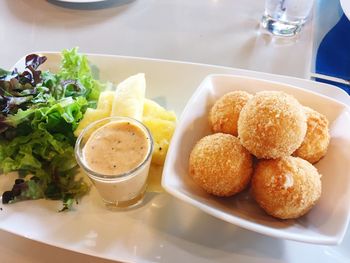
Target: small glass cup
x=286 y=17
x=118 y=191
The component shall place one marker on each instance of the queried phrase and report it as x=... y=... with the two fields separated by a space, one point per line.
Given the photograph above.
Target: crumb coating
x=286 y=188
x=317 y=138
x=220 y=165
x=223 y=116
x=271 y=125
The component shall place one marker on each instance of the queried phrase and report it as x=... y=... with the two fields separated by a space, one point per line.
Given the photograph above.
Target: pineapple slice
x=129 y=97
x=154 y=179
x=153 y=109
x=90 y=116
x=162 y=131
x=103 y=110
x=105 y=101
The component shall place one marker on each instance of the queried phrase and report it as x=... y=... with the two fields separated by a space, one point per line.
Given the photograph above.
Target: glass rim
x=103 y=177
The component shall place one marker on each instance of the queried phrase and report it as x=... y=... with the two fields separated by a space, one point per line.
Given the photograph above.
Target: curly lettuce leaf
x=50 y=158
x=37 y=122
x=76 y=67
x=50 y=135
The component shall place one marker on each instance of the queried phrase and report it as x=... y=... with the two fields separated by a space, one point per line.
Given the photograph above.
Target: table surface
x=219 y=32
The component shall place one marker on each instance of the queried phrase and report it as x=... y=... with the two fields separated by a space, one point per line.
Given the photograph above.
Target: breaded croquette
x=286 y=188
x=223 y=116
x=317 y=138
x=271 y=125
x=220 y=165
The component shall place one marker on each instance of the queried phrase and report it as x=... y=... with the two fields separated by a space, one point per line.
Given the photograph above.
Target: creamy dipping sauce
x=116 y=153
x=116 y=148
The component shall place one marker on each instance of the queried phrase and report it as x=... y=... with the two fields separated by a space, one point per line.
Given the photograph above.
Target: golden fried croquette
x=220 y=165
x=317 y=137
x=271 y=125
x=286 y=188
x=223 y=116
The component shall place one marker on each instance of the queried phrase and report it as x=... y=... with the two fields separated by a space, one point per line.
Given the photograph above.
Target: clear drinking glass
x=122 y=190
x=286 y=17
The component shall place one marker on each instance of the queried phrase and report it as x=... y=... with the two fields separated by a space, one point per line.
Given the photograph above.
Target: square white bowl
x=326 y=223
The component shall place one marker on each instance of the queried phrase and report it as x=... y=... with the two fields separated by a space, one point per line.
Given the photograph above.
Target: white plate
x=345 y=4
x=326 y=223
x=164 y=229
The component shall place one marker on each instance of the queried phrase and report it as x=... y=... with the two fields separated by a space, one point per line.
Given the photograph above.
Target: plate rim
x=183 y=62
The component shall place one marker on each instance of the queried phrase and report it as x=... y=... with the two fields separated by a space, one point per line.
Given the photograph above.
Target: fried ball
x=223 y=116
x=220 y=164
x=317 y=138
x=286 y=188
x=271 y=125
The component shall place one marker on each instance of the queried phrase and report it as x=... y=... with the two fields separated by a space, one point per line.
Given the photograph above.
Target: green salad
x=38 y=113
